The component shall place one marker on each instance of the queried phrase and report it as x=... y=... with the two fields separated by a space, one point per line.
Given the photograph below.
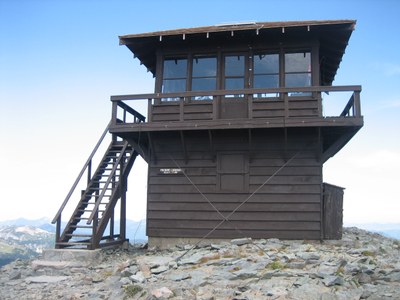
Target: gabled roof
x=333 y=37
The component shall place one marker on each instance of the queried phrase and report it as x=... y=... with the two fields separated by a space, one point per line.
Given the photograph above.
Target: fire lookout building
x=235 y=137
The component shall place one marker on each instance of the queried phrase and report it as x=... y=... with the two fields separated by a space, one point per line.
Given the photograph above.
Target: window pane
x=298 y=62
x=204 y=84
x=266 y=63
x=174 y=85
x=175 y=68
x=204 y=66
x=266 y=81
x=296 y=80
x=234 y=65
x=234 y=83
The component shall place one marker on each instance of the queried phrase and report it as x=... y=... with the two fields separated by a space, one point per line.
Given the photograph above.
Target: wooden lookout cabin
x=235 y=137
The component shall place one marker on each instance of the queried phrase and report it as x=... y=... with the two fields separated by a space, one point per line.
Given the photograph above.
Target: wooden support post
x=250 y=106
x=122 y=224
x=58 y=229
x=286 y=104
x=181 y=109
x=114 y=113
x=184 y=147
x=149 y=110
x=89 y=172
x=250 y=145
x=357 y=104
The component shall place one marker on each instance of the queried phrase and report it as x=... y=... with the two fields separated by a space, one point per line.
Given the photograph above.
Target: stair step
x=78 y=235
x=73 y=244
x=81 y=226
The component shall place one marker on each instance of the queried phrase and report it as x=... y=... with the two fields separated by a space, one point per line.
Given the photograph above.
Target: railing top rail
x=81 y=174
x=349 y=88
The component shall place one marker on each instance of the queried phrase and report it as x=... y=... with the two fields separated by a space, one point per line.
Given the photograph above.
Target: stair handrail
x=111 y=175
x=88 y=162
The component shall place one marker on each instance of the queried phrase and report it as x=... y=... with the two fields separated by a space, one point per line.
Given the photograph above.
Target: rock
x=308 y=256
x=162 y=293
x=138 y=277
x=125 y=281
x=160 y=269
x=245 y=274
x=242 y=241
x=15 y=275
x=302 y=270
x=332 y=280
x=45 y=279
x=180 y=277
x=363 y=278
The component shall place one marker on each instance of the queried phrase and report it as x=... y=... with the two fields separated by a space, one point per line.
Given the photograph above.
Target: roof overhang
x=332 y=35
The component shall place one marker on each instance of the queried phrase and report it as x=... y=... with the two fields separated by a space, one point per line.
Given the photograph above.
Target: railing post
x=250 y=106
x=286 y=104
x=181 y=108
x=58 y=229
x=89 y=174
x=114 y=113
x=357 y=104
x=149 y=110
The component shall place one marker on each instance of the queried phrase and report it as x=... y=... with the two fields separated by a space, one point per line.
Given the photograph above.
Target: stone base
x=166 y=243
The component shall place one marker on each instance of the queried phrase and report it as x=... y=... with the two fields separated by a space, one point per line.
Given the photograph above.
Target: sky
x=60 y=62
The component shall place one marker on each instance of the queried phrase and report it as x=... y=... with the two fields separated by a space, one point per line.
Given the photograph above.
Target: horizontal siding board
x=178 y=180
x=198 y=108
x=237 y=216
x=248 y=225
x=303 y=104
x=268 y=105
x=197 y=116
x=230 y=207
x=165 y=117
x=267 y=188
x=303 y=112
x=236 y=198
x=287 y=189
x=268 y=114
x=229 y=234
x=210 y=188
x=278 y=179
x=288 y=170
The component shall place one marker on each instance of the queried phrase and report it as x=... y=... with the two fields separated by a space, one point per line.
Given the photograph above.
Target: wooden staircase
x=96 y=208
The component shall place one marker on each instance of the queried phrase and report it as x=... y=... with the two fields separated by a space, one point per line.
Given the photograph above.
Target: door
x=235 y=77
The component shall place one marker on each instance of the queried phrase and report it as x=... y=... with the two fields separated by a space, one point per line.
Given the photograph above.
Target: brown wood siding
x=288 y=206
x=266 y=108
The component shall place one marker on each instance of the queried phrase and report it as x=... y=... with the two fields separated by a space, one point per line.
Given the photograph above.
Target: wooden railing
x=261 y=103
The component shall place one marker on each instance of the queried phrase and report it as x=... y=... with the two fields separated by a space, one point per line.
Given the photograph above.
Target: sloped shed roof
x=333 y=36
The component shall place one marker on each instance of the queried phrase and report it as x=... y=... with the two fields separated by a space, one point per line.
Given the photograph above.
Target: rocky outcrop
x=360 y=266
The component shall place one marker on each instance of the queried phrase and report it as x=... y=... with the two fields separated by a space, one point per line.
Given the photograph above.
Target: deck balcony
x=240 y=109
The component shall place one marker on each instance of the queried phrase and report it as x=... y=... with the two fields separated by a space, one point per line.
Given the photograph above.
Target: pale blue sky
x=60 y=61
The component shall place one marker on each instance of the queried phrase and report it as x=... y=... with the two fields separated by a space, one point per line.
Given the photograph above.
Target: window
x=204 y=75
x=266 y=73
x=234 y=77
x=298 y=70
x=174 y=76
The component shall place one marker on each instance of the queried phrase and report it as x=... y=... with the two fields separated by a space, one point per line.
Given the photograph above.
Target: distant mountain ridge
x=24 y=239
x=23 y=242
x=390 y=230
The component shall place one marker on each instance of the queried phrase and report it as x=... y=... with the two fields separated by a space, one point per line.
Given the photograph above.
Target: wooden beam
x=151 y=153
x=184 y=146
x=337 y=145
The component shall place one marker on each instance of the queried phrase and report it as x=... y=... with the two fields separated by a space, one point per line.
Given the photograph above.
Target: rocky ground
x=360 y=266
